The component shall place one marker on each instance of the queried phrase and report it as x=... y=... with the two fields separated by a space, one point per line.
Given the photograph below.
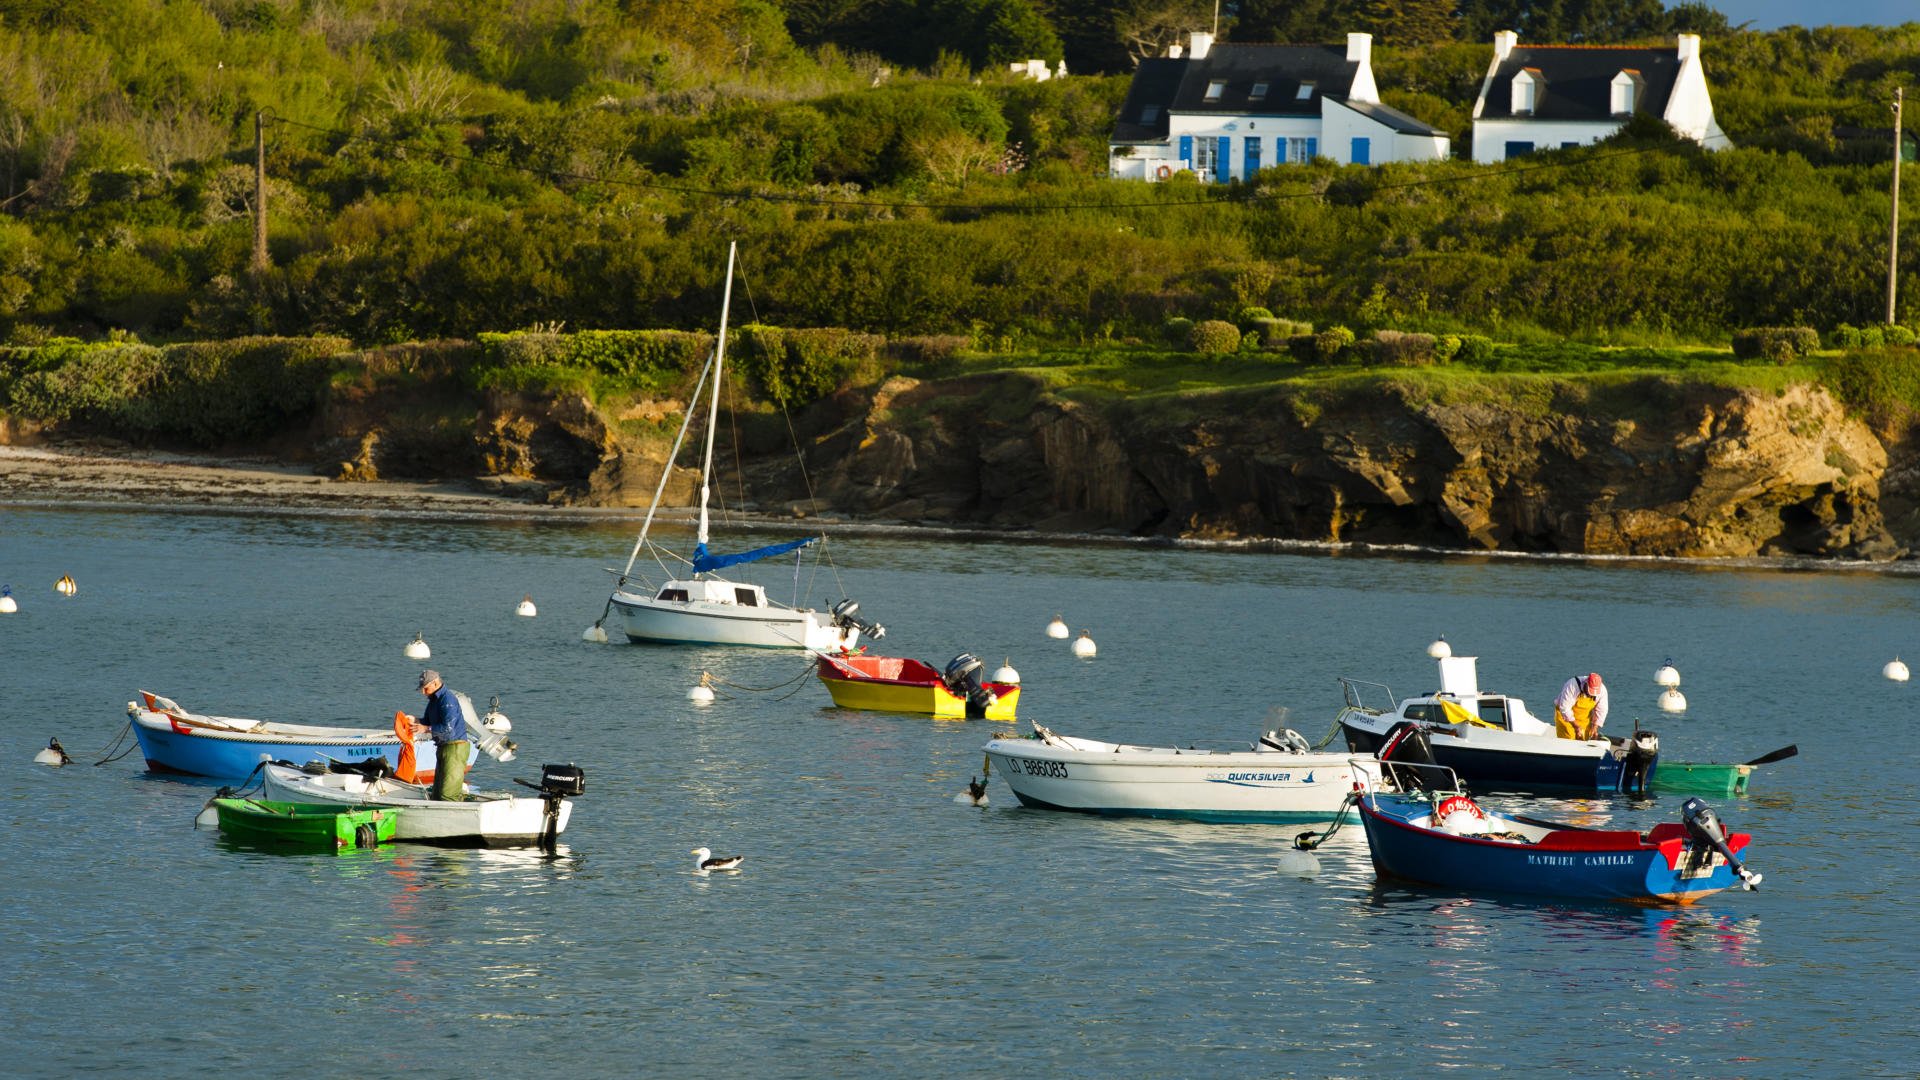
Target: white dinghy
x=483 y=820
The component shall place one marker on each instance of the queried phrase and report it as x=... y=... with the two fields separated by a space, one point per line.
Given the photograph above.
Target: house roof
x=1164 y=84
x=1392 y=118
x=1154 y=83
x=1579 y=81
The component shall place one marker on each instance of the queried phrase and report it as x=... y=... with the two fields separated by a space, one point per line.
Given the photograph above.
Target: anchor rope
x=710 y=678
x=115 y=745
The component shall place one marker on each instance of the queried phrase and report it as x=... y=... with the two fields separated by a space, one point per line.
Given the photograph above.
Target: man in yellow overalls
x=1581 y=709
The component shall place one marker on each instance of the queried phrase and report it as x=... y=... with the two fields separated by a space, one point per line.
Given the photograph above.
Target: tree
x=1412 y=22
x=1296 y=21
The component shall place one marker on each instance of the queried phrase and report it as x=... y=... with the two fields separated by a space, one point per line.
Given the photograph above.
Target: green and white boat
x=308 y=826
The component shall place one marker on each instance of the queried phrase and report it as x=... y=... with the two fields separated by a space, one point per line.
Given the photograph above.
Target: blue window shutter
x=1253 y=155
x=1362 y=152
x=1313 y=149
x=1186 y=151
x=1223 y=166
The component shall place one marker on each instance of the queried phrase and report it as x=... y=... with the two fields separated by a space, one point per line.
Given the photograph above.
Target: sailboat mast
x=713 y=412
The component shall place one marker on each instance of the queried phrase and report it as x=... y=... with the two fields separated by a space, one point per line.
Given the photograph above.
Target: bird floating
x=1056 y=628
x=706 y=862
x=1006 y=674
x=595 y=633
x=1440 y=650
x=976 y=793
x=1668 y=675
x=54 y=755
x=703 y=693
x=1672 y=700
x=526 y=607
x=7 y=604
x=65 y=586
x=1083 y=645
x=1895 y=670
x=417 y=649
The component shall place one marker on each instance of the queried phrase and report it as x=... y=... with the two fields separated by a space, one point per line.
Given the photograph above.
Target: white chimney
x=1173 y=52
x=1503 y=43
x=1359 y=47
x=1198 y=44
x=1689 y=46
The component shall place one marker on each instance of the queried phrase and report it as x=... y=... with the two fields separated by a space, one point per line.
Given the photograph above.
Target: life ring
x=1164 y=171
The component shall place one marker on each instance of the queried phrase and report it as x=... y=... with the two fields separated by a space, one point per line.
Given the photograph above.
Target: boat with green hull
x=308 y=826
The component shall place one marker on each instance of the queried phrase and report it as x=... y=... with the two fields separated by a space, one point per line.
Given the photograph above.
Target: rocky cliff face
x=1644 y=467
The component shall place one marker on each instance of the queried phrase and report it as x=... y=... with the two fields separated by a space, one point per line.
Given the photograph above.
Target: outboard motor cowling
x=1636 y=768
x=1408 y=758
x=846 y=614
x=962 y=677
x=1705 y=827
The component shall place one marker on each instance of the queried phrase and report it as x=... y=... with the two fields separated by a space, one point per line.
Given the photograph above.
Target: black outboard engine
x=962 y=677
x=847 y=613
x=1408 y=758
x=557 y=783
x=1636 y=769
x=1705 y=827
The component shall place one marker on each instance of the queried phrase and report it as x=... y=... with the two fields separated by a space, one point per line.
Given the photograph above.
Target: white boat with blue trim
x=1278 y=778
x=703 y=608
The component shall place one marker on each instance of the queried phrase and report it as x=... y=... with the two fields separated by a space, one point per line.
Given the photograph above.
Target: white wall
x=1490 y=137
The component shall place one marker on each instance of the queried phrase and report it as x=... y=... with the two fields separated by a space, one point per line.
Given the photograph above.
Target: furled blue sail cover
x=703 y=562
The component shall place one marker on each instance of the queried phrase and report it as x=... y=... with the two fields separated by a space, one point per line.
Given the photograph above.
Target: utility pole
x=1893 y=236
x=260 y=193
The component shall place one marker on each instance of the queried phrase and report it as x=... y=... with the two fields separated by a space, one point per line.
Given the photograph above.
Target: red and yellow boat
x=897 y=684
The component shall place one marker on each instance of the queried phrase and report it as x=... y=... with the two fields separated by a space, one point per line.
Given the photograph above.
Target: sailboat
x=705 y=608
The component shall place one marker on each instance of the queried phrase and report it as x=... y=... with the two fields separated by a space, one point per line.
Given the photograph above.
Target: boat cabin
x=714 y=592
x=1459 y=701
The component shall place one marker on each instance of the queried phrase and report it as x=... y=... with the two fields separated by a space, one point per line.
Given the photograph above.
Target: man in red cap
x=1581 y=709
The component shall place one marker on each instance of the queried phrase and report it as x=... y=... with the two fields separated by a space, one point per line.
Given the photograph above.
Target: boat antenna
x=665 y=471
x=713 y=415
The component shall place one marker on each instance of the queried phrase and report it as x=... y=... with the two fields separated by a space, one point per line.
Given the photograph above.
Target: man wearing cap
x=1581 y=708
x=445 y=721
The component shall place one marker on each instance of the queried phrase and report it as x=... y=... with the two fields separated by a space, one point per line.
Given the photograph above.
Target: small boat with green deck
x=311 y=826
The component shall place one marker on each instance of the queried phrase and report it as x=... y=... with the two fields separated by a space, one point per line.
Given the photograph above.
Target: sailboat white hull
x=704 y=622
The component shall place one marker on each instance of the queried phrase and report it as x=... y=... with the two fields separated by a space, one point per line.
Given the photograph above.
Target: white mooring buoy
x=1672 y=700
x=65 y=586
x=595 y=633
x=7 y=604
x=1083 y=645
x=703 y=693
x=526 y=607
x=54 y=755
x=417 y=649
x=1440 y=650
x=1007 y=674
x=1056 y=628
x=1895 y=670
x=1668 y=675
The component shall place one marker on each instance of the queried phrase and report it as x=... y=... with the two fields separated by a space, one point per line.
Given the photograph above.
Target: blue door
x=1313 y=149
x=1253 y=155
x=1223 y=165
x=1519 y=149
x=1186 y=151
x=1362 y=151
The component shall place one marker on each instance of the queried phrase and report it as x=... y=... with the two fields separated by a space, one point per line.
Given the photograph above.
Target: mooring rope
x=709 y=678
x=115 y=745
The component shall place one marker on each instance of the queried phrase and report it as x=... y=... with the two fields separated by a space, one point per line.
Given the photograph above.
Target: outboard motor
x=962 y=677
x=557 y=783
x=846 y=614
x=1408 y=758
x=1636 y=770
x=1705 y=827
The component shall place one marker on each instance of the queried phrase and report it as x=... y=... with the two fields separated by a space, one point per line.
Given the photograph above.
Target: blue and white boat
x=175 y=740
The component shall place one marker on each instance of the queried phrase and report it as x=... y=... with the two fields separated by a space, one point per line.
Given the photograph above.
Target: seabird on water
x=706 y=862
x=976 y=792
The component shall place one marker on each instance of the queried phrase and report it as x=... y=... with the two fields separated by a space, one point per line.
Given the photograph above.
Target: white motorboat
x=705 y=609
x=484 y=819
x=1492 y=741
x=1278 y=778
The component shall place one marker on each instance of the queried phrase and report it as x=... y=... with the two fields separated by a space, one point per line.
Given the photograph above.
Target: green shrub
x=934 y=352
x=1872 y=337
x=1474 y=349
x=1445 y=348
x=1177 y=329
x=1899 y=335
x=1214 y=337
x=1779 y=344
x=1396 y=349
x=1843 y=336
x=1249 y=317
x=1884 y=383
x=800 y=366
x=644 y=360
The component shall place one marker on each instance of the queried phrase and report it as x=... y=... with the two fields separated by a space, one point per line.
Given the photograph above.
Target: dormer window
x=1149 y=113
x=1305 y=93
x=1258 y=93
x=1527 y=85
x=1626 y=87
x=1215 y=89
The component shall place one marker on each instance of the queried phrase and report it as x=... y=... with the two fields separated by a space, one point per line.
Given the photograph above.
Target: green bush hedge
x=1214 y=337
x=643 y=360
x=1779 y=344
x=794 y=367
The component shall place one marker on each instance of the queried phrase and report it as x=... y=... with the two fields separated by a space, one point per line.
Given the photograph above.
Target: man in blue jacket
x=447 y=723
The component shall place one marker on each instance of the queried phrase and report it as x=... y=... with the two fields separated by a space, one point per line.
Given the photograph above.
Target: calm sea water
x=881 y=929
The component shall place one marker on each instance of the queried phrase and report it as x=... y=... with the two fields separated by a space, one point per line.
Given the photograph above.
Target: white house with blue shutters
x=1552 y=96
x=1226 y=111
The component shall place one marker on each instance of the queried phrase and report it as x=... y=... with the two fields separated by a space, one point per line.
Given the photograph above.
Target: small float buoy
x=1672 y=700
x=594 y=633
x=7 y=604
x=209 y=815
x=54 y=755
x=417 y=649
x=975 y=795
x=1668 y=675
x=1083 y=645
x=1006 y=674
x=1895 y=670
x=1440 y=650
x=703 y=693
x=65 y=585
x=495 y=720
x=1056 y=628
x=526 y=607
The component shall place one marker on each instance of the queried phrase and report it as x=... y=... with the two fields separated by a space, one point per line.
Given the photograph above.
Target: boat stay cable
x=667 y=469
